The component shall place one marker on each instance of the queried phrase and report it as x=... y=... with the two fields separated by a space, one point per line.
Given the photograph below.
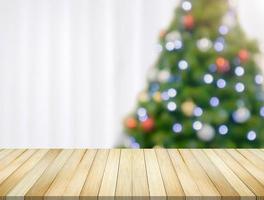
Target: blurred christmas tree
x=205 y=89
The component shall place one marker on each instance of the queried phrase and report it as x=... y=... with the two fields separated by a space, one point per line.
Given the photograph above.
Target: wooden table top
x=138 y=174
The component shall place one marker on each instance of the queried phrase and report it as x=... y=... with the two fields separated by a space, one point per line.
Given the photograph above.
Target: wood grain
x=253 y=184
x=4 y=173
x=92 y=184
x=249 y=166
x=14 y=178
x=108 y=185
x=188 y=182
x=156 y=186
x=76 y=183
x=140 y=187
x=204 y=183
x=63 y=178
x=124 y=181
x=6 y=160
x=21 y=188
x=43 y=183
x=236 y=183
x=257 y=152
x=253 y=158
x=131 y=174
x=223 y=186
x=5 y=152
x=170 y=178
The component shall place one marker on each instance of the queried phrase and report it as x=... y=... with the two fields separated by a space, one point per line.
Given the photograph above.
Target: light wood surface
x=140 y=174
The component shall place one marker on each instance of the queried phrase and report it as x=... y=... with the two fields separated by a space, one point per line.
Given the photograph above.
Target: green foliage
x=189 y=83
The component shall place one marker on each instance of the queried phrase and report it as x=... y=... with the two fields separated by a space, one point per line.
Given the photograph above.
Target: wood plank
x=41 y=186
x=63 y=178
x=170 y=179
x=205 y=185
x=188 y=183
x=8 y=159
x=93 y=182
x=76 y=183
x=108 y=186
x=251 y=168
x=156 y=186
x=254 y=185
x=230 y=176
x=15 y=164
x=30 y=178
x=4 y=153
x=11 y=181
x=252 y=158
x=223 y=186
x=127 y=174
x=139 y=176
x=124 y=181
x=258 y=153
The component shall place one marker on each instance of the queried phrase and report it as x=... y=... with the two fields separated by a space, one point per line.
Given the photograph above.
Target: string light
x=169 y=46
x=223 y=29
x=219 y=46
x=251 y=135
x=172 y=92
x=197 y=125
x=165 y=96
x=171 y=106
x=208 y=78
x=214 y=101
x=135 y=145
x=177 y=128
x=221 y=83
x=128 y=141
x=259 y=79
x=239 y=71
x=174 y=41
x=204 y=44
x=197 y=111
x=186 y=5
x=223 y=129
x=178 y=44
x=183 y=65
x=142 y=112
x=261 y=111
x=239 y=87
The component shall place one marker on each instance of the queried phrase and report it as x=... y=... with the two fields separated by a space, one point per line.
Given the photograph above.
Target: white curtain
x=70 y=70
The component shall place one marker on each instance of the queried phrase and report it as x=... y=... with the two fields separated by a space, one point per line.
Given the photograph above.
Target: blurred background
x=70 y=71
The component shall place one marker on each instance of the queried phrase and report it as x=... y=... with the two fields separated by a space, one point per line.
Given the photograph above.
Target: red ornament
x=162 y=33
x=148 y=125
x=131 y=123
x=243 y=55
x=188 y=21
x=222 y=65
